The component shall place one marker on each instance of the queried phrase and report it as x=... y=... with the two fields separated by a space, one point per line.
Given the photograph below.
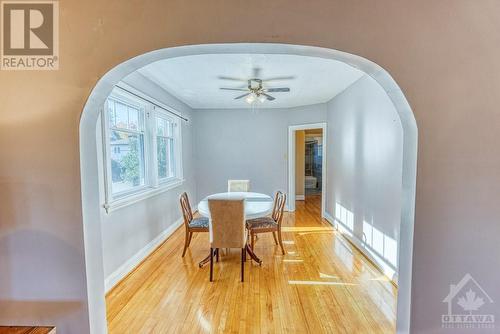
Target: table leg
x=204 y=261
x=252 y=255
x=249 y=251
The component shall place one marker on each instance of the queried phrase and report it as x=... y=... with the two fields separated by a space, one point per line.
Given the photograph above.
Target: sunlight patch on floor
x=318 y=283
x=305 y=228
x=292 y=260
x=321 y=275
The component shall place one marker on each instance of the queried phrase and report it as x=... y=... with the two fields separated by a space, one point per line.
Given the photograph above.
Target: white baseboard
x=300 y=197
x=374 y=258
x=135 y=260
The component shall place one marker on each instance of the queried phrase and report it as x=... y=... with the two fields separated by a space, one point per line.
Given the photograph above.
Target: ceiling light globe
x=250 y=98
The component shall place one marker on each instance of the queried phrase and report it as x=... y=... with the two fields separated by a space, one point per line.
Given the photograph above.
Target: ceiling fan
x=255 y=90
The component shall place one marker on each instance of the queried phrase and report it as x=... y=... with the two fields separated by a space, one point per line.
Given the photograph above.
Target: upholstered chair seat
x=269 y=224
x=199 y=222
x=191 y=224
x=261 y=223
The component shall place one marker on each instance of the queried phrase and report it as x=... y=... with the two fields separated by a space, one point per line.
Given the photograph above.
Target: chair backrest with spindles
x=186 y=209
x=279 y=207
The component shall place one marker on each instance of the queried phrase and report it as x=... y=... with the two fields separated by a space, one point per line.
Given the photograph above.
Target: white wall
x=364 y=167
x=246 y=144
x=130 y=232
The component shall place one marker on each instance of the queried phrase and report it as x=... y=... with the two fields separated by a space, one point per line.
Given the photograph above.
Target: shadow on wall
x=22 y=294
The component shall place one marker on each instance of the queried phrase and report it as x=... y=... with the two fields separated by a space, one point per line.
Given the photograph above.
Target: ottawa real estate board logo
x=468 y=306
x=30 y=35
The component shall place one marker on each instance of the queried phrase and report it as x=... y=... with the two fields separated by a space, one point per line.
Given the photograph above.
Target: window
x=165 y=147
x=142 y=148
x=126 y=142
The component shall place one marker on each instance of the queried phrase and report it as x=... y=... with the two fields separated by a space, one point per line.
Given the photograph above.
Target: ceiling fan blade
x=283 y=89
x=279 y=78
x=269 y=97
x=221 y=77
x=242 y=96
x=238 y=89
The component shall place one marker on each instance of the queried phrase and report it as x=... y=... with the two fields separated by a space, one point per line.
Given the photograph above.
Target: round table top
x=256 y=205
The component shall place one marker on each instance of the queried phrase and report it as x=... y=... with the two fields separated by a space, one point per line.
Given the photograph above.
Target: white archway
x=89 y=167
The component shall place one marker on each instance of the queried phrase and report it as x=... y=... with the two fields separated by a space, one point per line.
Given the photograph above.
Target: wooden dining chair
x=227 y=229
x=192 y=225
x=238 y=185
x=269 y=224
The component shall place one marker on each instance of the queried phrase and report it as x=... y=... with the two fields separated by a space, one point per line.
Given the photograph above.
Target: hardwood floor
x=322 y=285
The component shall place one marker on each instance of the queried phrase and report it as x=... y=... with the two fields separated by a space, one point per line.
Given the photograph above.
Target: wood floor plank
x=321 y=285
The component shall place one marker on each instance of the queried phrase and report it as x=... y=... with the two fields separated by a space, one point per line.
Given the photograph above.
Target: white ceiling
x=195 y=79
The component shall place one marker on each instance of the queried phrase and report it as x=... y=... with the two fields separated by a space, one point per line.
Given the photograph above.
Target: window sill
x=140 y=196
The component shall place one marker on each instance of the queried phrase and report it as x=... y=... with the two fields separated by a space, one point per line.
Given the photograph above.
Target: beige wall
x=443 y=54
x=299 y=162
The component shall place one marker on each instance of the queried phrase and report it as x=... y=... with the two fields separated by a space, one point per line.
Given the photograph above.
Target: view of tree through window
x=143 y=145
x=126 y=139
x=165 y=148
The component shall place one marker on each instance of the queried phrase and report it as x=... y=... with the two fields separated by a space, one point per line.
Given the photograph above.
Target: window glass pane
x=166 y=163
x=170 y=128
x=127 y=161
x=162 y=157
x=121 y=114
x=133 y=118
x=160 y=126
x=111 y=113
x=171 y=156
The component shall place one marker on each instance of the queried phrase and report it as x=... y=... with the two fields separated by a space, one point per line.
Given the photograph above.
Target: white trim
x=300 y=197
x=171 y=111
x=139 y=196
x=291 y=163
x=377 y=261
x=152 y=184
x=135 y=260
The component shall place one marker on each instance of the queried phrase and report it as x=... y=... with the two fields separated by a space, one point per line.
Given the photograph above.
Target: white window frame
x=176 y=136
x=152 y=184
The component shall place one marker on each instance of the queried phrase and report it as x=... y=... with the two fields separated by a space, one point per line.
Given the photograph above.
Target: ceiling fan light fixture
x=261 y=98
x=250 y=98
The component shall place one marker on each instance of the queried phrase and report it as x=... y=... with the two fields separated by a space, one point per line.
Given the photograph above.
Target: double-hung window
x=126 y=132
x=142 y=149
x=165 y=143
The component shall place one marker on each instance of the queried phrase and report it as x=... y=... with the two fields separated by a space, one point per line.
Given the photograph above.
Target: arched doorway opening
x=89 y=166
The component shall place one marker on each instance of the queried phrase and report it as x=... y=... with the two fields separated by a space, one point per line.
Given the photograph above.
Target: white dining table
x=257 y=205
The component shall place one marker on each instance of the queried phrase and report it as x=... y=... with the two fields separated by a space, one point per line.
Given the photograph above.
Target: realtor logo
x=467 y=301
x=30 y=35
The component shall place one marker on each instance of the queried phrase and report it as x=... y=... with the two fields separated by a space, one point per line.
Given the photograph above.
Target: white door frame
x=291 y=163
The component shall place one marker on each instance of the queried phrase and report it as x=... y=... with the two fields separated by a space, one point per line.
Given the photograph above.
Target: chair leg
x=243 y=259
x=211 y=264
x=217 y=254
x=186 y=243
x=281 y=242
x=275 y=240
x=190 y=237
